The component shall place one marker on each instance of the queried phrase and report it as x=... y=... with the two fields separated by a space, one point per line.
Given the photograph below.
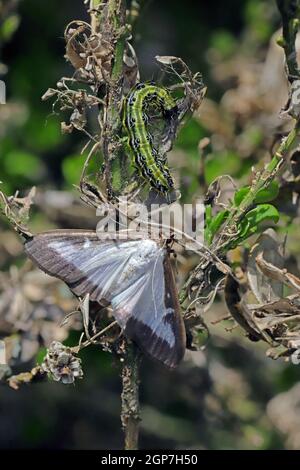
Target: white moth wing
x=151 y=314
x=129 y=274
x=89 y=265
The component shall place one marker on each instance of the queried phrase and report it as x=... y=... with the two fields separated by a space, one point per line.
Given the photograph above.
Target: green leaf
x=214 y=224
x=208 y=219
x=189 y=135
x=208 y=215
x=40 y=355
x=224 y=42
x=72 y=168
x=221 y=163
x=267 y=194
x=218 y=221
x=19 y=163
x=240 y=195
x=254 y=218
x=264 y=195
x=9 y=27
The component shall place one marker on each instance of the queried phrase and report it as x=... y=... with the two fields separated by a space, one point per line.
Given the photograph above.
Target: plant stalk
x=261 y=181
x=115 y=20
x=130 y=414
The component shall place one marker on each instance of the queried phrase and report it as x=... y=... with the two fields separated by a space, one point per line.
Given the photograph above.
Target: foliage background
x=231 y=395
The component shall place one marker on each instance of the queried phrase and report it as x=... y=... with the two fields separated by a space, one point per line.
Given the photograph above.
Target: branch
x=95 y=15
x=116 y=30
x=37 y=374
x=290 y=11
x=116 y=20
x=261 y=181
x=130 y=415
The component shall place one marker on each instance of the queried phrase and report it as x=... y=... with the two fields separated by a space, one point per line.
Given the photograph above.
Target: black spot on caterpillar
x=150 y=164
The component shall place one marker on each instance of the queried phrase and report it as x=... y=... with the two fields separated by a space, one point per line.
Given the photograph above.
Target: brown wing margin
x=53 y=264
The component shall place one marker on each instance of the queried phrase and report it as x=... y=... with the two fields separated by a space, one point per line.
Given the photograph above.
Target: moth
x=134 y=276
x=151 y=165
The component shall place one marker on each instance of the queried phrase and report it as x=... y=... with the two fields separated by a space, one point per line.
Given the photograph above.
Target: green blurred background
x=230 y=395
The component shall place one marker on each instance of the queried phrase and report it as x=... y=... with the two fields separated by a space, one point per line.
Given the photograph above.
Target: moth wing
x=135 y=276
x=152 y=313
x=87 y=264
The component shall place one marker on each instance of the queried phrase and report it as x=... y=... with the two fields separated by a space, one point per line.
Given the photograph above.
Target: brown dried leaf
x=264 y=289
x=240 y=310
x=280 y=275
x=66 y=128
x=74 y=50
x=281 y=320
x=16 y=210
x=131 y=71
x=167 y=59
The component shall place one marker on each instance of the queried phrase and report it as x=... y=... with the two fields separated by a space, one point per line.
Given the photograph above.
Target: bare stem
x=117 y=21
x=130 y=414
x=290 y=11
x=116 y=31
x=94 y=4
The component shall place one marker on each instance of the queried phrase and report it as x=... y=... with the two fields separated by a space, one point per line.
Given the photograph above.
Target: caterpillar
x=150 y=163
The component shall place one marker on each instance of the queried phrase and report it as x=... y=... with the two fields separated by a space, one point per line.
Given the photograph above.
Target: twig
x=290 y=11
x=36 y=374
x=224 y=238
x=261 y=181
x=117 y=21
x=130 y=414
x=93 y=338
x=94 y=12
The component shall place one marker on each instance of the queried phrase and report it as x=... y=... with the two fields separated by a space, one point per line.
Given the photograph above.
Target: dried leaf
x=240 y=311
x=264 y=289
x=74 y=49
x=280 y=275
x=66 y=128
x=167 y=59
x=16 y=210
x=49 y=94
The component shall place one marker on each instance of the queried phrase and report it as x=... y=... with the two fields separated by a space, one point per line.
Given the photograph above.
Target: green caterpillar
x=150 y=164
